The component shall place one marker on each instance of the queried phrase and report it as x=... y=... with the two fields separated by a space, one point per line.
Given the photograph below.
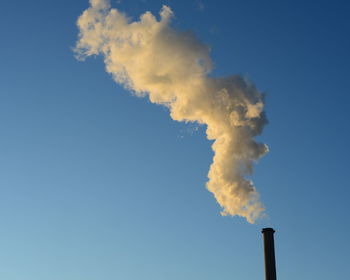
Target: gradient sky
x=98 y=184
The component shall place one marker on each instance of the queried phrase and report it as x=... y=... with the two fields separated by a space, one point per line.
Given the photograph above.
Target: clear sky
x=99 y=184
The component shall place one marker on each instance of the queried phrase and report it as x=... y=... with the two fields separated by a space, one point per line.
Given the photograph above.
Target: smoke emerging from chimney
x=171 y=68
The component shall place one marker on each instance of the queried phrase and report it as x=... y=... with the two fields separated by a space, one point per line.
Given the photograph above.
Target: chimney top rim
x=268 y=230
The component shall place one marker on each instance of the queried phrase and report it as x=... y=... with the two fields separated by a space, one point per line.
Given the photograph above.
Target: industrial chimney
x=269 y=252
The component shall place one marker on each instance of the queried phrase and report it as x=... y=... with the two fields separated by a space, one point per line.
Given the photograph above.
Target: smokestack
x=269 y=252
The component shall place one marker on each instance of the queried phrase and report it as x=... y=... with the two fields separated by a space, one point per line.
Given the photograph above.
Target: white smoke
x=151 y=59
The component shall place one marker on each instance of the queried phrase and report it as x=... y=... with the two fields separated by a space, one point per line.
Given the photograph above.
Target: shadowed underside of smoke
x=151 y=59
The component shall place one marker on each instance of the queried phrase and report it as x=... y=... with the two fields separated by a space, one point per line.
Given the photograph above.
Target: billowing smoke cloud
x=151 y=59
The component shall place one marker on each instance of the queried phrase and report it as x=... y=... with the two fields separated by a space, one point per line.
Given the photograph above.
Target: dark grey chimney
x=269 y=252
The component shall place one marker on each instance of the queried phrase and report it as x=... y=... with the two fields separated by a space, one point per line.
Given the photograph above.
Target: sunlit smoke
x=152 y=59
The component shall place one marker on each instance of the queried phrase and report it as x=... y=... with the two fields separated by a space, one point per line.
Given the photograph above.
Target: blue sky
x=99 y=184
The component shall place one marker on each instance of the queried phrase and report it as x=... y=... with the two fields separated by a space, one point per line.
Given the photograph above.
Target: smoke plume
x=150 y=58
